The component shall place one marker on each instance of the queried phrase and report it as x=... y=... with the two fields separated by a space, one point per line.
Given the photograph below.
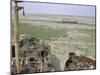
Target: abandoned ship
x=34 y=56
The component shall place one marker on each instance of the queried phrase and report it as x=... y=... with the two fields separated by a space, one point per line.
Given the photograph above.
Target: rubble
x=79 y=63
x=34 y=56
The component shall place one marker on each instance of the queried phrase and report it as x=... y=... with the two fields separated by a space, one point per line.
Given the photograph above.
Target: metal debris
x=79 y=63
x=34 y=56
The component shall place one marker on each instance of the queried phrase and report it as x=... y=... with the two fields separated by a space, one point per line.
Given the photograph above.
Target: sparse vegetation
x=41 y=32
x=67 y=37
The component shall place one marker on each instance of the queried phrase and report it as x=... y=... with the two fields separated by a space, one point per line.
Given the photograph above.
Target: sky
x=57 y=9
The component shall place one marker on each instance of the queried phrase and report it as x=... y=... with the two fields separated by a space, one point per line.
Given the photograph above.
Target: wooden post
x=16 y=38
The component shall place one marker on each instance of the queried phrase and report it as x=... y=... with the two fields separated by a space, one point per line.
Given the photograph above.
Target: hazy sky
x=58 y=9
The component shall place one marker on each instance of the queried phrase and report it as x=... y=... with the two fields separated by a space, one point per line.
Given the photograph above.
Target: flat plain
x=62 y=37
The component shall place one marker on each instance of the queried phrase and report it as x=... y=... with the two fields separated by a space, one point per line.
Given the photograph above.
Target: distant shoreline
x=55 y=15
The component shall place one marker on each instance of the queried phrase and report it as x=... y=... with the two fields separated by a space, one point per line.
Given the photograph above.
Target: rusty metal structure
x=75 y=62
x=28 y=55
x=16 y=35
x=34 y=57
